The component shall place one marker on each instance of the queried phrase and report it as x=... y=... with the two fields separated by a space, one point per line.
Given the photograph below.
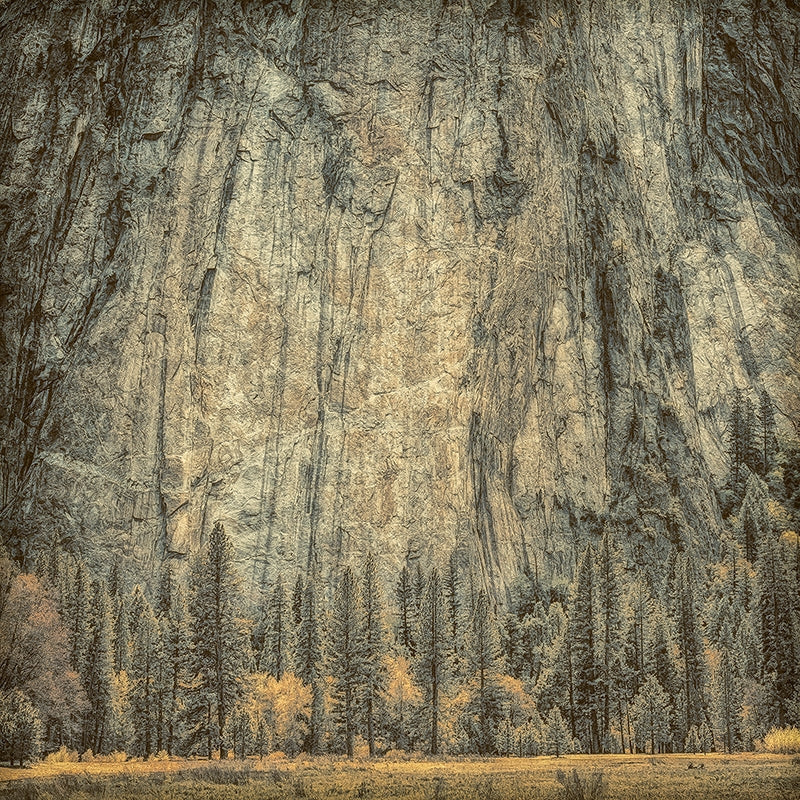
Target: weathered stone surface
x=352 y=275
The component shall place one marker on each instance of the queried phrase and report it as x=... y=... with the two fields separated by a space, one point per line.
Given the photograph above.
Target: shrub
x=116 y=757
x=577 y=788
x=783 y=740
x=61 y=756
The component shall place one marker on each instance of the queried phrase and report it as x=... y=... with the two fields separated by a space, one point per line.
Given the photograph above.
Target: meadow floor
x=739 y=777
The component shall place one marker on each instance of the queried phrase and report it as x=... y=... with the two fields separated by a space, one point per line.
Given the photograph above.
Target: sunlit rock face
x=400 y=276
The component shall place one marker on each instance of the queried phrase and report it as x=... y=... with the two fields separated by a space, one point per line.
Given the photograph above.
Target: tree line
x=703 y=657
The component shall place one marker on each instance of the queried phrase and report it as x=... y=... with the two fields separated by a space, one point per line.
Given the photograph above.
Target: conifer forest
x=703 y=657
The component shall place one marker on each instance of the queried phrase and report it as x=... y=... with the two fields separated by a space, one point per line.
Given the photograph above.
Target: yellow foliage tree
x=402 y=699
x=279 y=711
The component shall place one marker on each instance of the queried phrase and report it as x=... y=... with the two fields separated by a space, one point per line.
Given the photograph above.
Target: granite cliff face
x=351 y=275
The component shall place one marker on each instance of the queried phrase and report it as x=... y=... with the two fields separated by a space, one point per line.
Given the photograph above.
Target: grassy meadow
x=740 y=777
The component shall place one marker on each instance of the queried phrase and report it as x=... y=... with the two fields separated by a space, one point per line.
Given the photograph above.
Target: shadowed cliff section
x=354 y=276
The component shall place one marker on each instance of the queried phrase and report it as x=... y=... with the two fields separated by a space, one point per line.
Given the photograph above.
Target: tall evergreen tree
x=524 y=641
x=779 y=644
x=611 y=644
x=406 y=603
x=483 y=651
x=692 y=667
x=138 y=607
x=430 y=664
x=729 y=593
x=77 y=607
x=219 y=639
x=766 y=431
x=346 y=656
x=20 y=728
x=742 y=453
x=374 y=647
x=308 y=659
x=727 y=690
x=99 y=671
x=122 y=633
x=452 y=594
x=276 y=656
x=638 y=632
x=652 y=714
x=178 y=658
x=661 y=653
x=144 y=675
x=584 y=660
x=555 y=685
x=753 y=517
x=556 y=734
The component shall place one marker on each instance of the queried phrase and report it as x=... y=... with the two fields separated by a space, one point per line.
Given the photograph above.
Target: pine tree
x=122 y=633
x=779 y=646
x=524 y=643
x=144 y=676
x=374 y=647
x=177 y=655
x=219 y=638
x=452 y=594
x=584 y=662
x=753 y=517
x=49 y=567
x=556 y=685
x=638 y=634
x=748 y=648
x=729 y=596
x=77 y=608
x=258 y=632
x=610 y=644
x=483 y=652
x=661 y=648
x=727 y=690
x=557 y=738
x=692 y=667
x=742 y=453
x=99 y=671
x=346 y=656
x=239 y=732
x=430 y=665
x=693 y=744
x=276 y=655
x=706 y=737
x=406 y=602
x=652 y=715
x=766 y=431
x=308 y=658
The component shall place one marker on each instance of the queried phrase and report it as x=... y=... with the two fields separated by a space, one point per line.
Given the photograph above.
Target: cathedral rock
x=392 y=276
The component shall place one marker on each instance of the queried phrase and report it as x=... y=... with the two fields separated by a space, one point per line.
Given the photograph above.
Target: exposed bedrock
x=390 y=275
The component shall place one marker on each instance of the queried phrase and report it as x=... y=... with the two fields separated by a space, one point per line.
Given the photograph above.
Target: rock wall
x=389 y=275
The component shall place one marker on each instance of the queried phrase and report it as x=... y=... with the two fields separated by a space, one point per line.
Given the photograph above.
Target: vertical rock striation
x=389 y=275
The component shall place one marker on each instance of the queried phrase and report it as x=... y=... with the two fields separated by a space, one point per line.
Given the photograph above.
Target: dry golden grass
x=740 y=777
